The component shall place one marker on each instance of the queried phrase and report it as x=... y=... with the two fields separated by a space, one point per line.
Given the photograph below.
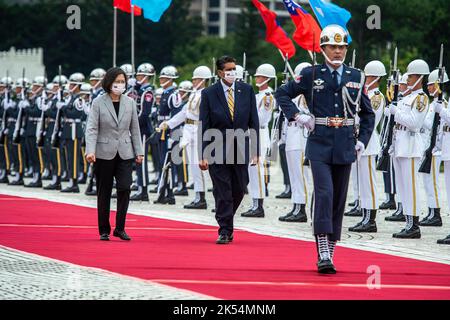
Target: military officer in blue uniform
x=334 y=94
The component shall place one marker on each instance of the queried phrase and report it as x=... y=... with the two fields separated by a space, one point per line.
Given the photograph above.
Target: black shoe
x=104 y=237
x=4 y=179
x=196 y=205
x=325 y=266
x=35 y=184
x=164 y=200
x=91 y=192
x=82 y=180
x=370 y=226
x=354 y=212
x=182 y=192
x=140 y=196
x=396 y=217
x=284 y=195
x=16 y=182
x=433 y=219
x=72 y=189
x=388 y=205
x=223 y=239
x=122 y=235
x=257 y=213
x=412 y=233
x=298 y=214
x=53 y=186
x=290 y=213
x=446 y=240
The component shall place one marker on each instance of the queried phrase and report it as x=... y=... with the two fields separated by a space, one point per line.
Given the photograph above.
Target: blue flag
x=153 y=9
x=329 y=13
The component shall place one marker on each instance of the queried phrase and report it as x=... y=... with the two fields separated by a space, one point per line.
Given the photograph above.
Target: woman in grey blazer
x=112 y=143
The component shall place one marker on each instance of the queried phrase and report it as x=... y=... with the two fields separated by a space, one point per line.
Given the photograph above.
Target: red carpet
x=184 y=255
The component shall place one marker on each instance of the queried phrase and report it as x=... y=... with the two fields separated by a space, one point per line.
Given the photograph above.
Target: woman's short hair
x=111 y=76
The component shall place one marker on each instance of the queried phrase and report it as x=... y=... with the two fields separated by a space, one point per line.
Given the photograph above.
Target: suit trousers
x=105 y=171
x=229 y=182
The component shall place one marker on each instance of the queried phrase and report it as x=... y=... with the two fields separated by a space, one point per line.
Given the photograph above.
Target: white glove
x=24 y=104
x=393 y=109
x=438 y=107
x=359 y=147
x=163 y=125
x=59 y=104
x=387 y=112
x=306 y=120
x=132 y=82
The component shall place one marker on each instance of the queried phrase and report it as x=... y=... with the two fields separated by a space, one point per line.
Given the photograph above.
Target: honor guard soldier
x=189 y=115
x=6 y=102
x=295 y=156
x=95 y=80
x=373 y=71
x=334 y=95
x=444 y=144
x=145 y=101
x=431 y=180
x=72 y=130
x=408 y=146
x=166 y=80
x=154 y=138
x=265 y=104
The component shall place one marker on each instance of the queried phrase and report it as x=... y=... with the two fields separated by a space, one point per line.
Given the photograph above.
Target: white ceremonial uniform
x=296 y=137
x=190 y=116
x=367 y=163
x=408 y=148
x=443 y=144
x=431 y=180
x=265 y=103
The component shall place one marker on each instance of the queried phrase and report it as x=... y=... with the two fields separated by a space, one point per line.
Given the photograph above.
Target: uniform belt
x=72 y=120
x=191 y=121
x=335 y=122
x=162 y=118
x=446 y=129
x=294 y=124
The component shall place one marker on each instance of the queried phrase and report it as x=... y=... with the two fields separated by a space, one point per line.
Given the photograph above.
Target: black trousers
x=389 y=179
x=330 y=194
x=105 y=171
x=229 y=182
x=283 y=163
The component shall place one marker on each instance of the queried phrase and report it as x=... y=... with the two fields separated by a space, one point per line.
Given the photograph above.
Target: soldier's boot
x=36 y=182
x=433 y=219
x=164 y=200
x=82 y=178
x=65 y=176
x=367 y=224
x=181 y=190
x=286 y=194
x=355 y=211
x=46 y=175
x=324 y=264
x=283 y=218
x=253 y=207
x=3 y=176
x=18 y=181
x=397 y=215
x=141 y=195
x=446 y=240
x=258 y=212
x=55 y=185
x=411 y=230
x=72 y=188
x=91 y=190
x=299 y=214
x=389 y=204
x=198 y=203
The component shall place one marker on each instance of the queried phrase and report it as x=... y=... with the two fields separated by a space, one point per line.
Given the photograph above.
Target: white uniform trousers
x=406 y=175
x=431 y=183
x=354 y=180
x=367 y=182
x=189 y=139
x=298 y=176
x=257 y=186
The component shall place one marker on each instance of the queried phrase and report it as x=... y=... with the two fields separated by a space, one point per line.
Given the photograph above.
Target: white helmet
x=146 y=69
x=403 y=79
x=186 y=86
x=127 y=68
x=298 y=69
x=86 y=88
x=419 y=67
x=159 y=92
x=434 y=76
x=169 y=72
x=266 y=70
x=201 y=72
x=76 y=78
x=63 y=79
x=375 y=68
x=335 y=35
x=21 y=81
x=97 y=74
x=49 y=87
x=239 y=72
x=39 y=81
x=6 y=80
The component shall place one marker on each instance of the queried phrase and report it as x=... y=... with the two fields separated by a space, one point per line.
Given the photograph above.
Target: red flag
x=125 y=5
x=307 y=33
x=274 y=33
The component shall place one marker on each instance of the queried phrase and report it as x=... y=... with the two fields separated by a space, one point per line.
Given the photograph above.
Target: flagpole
x=132 y=37
x=288 y=64
x=115 y=37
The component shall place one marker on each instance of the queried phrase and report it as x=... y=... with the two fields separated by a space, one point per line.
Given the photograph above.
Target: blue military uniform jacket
x=145 y=103
x=329 y=144
x=71 y=113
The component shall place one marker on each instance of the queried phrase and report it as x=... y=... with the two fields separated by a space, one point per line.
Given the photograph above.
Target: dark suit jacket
x=214 y=114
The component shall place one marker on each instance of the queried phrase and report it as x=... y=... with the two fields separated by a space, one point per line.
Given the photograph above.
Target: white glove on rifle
x=306 y=120
x=438 y=107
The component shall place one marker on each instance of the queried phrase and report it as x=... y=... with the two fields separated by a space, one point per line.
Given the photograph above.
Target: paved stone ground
x=423 y=249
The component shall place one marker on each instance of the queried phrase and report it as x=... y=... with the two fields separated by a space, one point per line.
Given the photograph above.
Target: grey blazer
x=107 y=134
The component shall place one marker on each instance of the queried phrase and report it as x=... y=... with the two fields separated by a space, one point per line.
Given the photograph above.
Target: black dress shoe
x=223 y=239
x=35 y=184
x=140 y=196
x=104 y=237
x=257 y=213
x=91 y=192
x=325 y=266
x=412 y=233
x=354 y=212
x=122 y=235
x=446 y=240
x=299 y=217
x=396 y=217
x=164 y=200
x=370 y=226
x=284 y=195
x=181 y=192
x=53 y=186
x=82 y=180
x=72 y=189
x=196 y=205
x=4 y=179
x=388 y=205
x=433 y=219
x=16 y=182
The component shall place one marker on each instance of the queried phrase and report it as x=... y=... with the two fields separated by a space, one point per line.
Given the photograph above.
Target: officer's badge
x=376 y=101
x=148 y=97
x=337 y=38
x=318 y=82
x=353 y=85
x=421 y=102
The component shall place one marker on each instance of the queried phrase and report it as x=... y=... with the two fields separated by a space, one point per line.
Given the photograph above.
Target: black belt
x=446 y=129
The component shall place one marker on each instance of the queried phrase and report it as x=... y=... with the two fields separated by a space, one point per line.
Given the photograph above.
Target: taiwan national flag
x=274 y=33
x=125 y=5
x=307 y=33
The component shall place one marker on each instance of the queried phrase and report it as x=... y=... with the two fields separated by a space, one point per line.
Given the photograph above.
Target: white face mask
x=118 y=88
x=230 y=76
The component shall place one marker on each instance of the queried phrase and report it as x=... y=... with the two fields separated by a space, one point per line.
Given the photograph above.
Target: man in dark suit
x=228 y=114
x=335 y=96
